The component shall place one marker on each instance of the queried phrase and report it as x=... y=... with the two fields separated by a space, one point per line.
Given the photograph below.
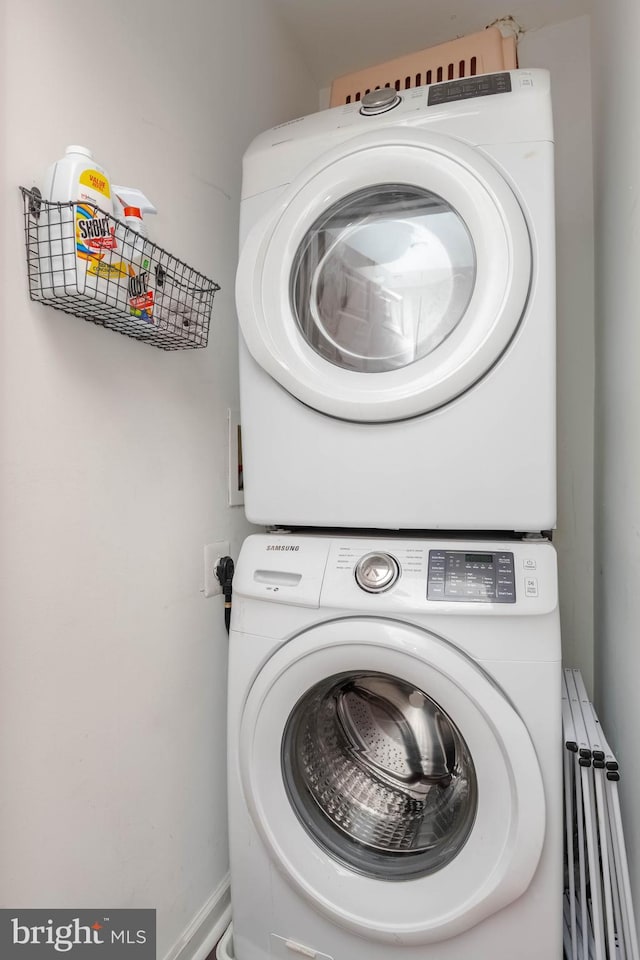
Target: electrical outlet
x=213 y=552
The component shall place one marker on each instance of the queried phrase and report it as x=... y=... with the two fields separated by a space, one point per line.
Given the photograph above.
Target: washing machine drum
x=389 y=277
x=379 y=775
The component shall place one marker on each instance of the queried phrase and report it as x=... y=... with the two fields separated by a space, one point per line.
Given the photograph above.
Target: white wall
x=616 y=28
x=564 y=49
x=113 y=464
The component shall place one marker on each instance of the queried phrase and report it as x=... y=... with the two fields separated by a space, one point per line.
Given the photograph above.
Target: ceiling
x=338 y=36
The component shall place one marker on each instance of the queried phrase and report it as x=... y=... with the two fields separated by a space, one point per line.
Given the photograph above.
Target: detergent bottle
x=81 y=232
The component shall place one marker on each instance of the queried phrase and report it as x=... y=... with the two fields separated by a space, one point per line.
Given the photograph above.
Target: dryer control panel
x=476 y=577
x=469 y=87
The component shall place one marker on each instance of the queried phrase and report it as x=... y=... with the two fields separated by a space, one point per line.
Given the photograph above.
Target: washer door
x=392 y=783
x=390 y=278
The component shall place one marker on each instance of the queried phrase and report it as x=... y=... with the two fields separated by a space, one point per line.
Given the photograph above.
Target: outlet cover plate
x=212 y=554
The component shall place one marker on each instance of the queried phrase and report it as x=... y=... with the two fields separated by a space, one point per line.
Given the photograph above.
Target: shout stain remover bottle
x=82 y=230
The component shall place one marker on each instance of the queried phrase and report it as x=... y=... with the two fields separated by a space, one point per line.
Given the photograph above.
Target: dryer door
x=389 y=279
x=391 y=781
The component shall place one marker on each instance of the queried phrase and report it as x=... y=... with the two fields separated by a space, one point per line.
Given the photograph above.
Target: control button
x=529 y=564
x=530 y=587
x=505 y=596
x=376 y=572
x=379 y=101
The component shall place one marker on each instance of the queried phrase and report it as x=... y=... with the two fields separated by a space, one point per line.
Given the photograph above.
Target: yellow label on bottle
x=109 y=271
x=97 y=181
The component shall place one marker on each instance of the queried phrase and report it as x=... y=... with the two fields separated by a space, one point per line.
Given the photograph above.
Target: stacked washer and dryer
x=394 y=733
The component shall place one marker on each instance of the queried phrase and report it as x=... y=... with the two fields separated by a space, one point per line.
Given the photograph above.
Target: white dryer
x=396 y=298
x=395 y=788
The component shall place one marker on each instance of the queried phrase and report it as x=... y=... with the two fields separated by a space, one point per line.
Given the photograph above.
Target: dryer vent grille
x=484 y=52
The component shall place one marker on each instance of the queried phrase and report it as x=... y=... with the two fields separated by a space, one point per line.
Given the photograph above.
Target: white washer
x=395 y=788
x=396 y=298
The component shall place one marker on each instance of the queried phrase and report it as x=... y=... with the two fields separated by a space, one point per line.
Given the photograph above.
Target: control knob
x=379 y=101
x=376 y=572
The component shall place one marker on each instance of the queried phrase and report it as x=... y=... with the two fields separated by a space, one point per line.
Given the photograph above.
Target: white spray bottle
x=134 y=253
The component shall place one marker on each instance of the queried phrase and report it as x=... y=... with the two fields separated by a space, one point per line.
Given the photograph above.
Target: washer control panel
x=470 y=576
x=398 y=576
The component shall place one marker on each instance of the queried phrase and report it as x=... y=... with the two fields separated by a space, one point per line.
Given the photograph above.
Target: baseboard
x=206 y=928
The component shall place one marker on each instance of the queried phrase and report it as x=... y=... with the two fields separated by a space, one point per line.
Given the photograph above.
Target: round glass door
x=387 y=278
x=383 y=277
x=379 y=775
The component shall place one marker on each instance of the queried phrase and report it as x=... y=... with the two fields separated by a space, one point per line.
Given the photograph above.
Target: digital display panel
x=478 y=558
x=466 y=88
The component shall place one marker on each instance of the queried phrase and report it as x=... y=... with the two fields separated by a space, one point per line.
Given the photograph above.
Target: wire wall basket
x=85 y=262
